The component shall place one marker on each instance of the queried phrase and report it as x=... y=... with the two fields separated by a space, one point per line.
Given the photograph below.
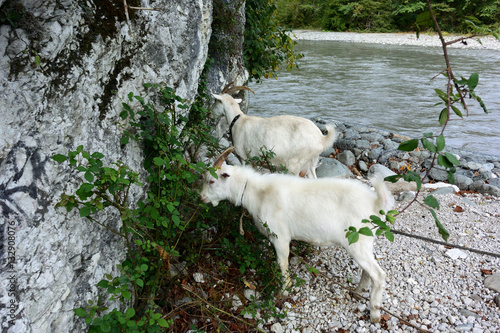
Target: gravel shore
x=429 y=287
x=485 y=42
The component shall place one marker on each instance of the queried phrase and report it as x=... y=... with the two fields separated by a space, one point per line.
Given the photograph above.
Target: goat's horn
x=222 y=157
x=237 y=88
x=226 y=88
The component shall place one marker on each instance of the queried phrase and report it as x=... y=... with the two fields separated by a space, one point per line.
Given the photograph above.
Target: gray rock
x=438 y=174
x=327 y=152
x=362 y=166
x=497 y=300
x=380 y=169
x=493 y=282
x=375 y=153
x=333 y=168
x=351 y=134
x=344 y=144
x=444 y=190
x=347 y=158
x=363 y=144
x=462 y=181
x=494 y=182
x=75 y=98
x=489 y=189
x=389 y=144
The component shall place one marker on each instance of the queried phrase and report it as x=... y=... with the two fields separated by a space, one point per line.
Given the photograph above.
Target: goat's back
x=285 y=135
x=311 y=210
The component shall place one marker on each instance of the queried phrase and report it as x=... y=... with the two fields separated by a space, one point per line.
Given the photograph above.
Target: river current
x=388 y=87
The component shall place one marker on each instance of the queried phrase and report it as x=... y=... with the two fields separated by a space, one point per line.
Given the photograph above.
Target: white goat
x=295 y=141
x=317 y=211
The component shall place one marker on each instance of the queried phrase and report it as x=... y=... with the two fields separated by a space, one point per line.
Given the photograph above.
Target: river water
x=388 y=87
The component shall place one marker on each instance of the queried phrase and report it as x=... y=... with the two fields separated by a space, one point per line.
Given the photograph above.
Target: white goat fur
x=296 y=142
x=317 y=211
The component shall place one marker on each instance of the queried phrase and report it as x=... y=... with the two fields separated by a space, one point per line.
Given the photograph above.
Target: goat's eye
x=211 y=182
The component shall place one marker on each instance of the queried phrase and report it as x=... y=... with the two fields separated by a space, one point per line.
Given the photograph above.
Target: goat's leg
x=282 y=248
x=365 y=259
x=364 y=283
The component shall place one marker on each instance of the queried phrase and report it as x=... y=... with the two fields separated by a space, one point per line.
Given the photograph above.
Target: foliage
x=364 y=15
x=267 y=46
x=169 y=225
x=388 y=15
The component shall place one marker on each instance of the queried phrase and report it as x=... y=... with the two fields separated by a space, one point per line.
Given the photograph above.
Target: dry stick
x=222 y=311
x=361 y=296
x=445 y=243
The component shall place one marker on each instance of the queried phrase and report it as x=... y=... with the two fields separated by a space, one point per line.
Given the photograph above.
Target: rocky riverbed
x=430 y=287
x=425 y=39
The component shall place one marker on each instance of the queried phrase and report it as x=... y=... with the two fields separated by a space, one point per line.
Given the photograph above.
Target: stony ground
x=429 y=286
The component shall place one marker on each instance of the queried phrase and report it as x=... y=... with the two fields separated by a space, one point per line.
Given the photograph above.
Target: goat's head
x=216 y=189
x=226 y=99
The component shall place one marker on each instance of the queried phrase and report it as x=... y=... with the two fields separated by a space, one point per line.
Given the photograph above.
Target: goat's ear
x=225 y=175
x=238 y=100
x=217 y=97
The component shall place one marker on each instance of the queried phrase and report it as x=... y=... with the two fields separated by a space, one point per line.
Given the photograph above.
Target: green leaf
x=440 y=142
x=443 y=117
x=89 y=176
x=443 y=161
x=124 y=140
x=162 y=322
x=452 y=159
x=84 y=211
x=442 y=231
x=126 y=294
x=473 y=81
x=393 y=179
x=353 y=237
x=158 y=161
x=429 y=145
x=80 y=312
x=130 y=313
x=59 y=158
x=124 y=114
x=409 y=145
x=389 y=235
x=366 y=231
x=431 y=201
x=457 y=111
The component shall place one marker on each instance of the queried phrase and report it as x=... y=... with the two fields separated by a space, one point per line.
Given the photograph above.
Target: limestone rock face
x=65 y=68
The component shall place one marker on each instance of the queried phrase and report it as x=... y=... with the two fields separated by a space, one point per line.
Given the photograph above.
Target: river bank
x=425 y=39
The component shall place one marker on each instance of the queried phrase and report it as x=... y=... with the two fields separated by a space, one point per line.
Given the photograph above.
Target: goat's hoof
x=375 y=316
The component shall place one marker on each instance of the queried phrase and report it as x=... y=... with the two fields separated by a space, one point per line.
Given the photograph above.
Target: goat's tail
x=385 y=199
x=330 y=136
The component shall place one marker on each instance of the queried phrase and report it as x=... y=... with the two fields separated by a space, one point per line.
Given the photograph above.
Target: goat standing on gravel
x=317 y=211
x=295 y=141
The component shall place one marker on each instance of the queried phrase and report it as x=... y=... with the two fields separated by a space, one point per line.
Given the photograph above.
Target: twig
x=220 y=310
x=445 y=244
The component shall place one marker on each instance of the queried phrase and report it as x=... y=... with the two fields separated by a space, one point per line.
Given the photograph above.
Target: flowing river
x=388 y=87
